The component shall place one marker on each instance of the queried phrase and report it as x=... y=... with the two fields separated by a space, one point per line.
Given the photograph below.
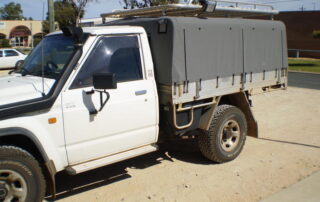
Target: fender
x=27 y=133
x=49 y=167
x=239 y=100
x=49 y=142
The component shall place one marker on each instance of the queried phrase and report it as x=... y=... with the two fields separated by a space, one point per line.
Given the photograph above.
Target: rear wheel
x=226 y=136
x=21 y=178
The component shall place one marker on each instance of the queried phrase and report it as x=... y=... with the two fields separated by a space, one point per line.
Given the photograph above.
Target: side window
x=118 y=54
x=10 y=53
x=1 y=54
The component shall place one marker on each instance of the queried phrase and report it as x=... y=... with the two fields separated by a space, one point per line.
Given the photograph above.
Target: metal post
x=51 y=16
x=31 y=35
x=298 y=53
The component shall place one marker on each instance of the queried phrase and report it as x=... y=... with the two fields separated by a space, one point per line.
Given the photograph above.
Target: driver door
x=128 y=120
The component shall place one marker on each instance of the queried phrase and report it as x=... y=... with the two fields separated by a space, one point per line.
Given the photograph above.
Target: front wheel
x=226 y=136
x=21 y=178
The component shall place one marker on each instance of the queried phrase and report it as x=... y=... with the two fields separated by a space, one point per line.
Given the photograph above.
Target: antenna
x=42 y=58
x=302 y=8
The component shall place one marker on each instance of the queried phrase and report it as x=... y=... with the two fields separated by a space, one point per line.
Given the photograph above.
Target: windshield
x=50 y=57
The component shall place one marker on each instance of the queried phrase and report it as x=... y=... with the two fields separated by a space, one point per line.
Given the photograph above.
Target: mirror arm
x=90 y=92
x=103 y=103
x=93 y=112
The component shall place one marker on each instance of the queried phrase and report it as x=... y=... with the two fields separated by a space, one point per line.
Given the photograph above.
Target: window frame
x=5 y=53
x=94 y=46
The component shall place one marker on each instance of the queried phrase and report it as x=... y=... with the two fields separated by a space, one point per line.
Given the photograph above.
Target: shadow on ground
x=304 y=80
x=292 y=143
x=184 y=150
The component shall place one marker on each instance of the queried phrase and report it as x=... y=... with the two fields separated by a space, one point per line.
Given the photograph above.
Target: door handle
x=140 y=92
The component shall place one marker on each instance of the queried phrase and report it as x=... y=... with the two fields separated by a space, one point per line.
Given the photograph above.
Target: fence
x=305 y=53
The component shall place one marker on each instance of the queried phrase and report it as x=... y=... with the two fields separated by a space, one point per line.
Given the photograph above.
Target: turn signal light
x=52 y=120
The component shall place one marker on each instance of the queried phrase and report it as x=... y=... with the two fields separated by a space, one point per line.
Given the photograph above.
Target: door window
x=1 y=54
x=10 y=53
x=118 y=54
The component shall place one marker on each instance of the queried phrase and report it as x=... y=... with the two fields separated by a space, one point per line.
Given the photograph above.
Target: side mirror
x=17 y=67
x=19 y=64
x=104 y=81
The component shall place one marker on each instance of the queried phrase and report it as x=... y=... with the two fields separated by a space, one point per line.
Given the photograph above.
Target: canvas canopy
x=192 y=49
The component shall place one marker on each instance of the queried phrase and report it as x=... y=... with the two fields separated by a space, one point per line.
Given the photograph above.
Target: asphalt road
x=304 y=80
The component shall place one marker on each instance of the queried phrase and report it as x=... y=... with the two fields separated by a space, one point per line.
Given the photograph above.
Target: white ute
x=86 y=98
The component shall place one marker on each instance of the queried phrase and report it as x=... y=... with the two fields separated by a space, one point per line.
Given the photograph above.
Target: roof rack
x=209 y=8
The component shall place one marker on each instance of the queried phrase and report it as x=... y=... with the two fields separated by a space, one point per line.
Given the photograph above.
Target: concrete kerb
x=305 y=190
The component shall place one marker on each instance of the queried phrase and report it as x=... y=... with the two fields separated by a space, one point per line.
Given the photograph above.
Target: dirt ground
x=287 y=151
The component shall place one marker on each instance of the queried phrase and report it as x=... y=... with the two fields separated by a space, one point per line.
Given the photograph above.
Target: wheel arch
x=239 y=100
x=25 y=139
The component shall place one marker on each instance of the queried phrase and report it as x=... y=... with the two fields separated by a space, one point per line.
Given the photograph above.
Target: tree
x=4 y=43
x=45 y=26
x=316 y=34
x=131 y=4
x=65 y=15
x=78 y=6
x=11 y=11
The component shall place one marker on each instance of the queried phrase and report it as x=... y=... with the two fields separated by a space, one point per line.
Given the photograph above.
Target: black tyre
x=226 y=136
x=21 y=178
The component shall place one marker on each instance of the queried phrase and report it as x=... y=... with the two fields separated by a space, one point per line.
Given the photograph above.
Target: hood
x=17 y=88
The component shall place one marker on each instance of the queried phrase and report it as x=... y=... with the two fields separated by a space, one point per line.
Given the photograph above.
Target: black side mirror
x=19 y=64
x=17 y=67
x=104 y=81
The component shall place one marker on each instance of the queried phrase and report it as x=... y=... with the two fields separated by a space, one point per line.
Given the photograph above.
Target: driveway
x=287 y=151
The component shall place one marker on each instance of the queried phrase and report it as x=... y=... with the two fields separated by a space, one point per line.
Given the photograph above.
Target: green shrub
x=316 y=34
x=4 y=43
x=24 y=50
x=36 y=41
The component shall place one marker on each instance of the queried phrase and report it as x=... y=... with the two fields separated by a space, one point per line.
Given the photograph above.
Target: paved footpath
x=305 y=190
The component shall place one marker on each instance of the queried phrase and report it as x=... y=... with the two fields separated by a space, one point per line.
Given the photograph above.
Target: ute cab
x=60 y=99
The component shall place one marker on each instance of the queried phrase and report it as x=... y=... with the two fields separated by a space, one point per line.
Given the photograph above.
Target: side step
x=76 y=169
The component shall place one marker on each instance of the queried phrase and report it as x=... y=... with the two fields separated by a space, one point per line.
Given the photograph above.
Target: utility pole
x=31 y=35
x=302 y=8
x=51 y=16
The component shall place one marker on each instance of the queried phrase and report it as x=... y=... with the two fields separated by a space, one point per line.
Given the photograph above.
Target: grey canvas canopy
x=192 y=49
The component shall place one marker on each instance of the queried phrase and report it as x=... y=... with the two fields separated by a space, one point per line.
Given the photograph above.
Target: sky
x=34 y=8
